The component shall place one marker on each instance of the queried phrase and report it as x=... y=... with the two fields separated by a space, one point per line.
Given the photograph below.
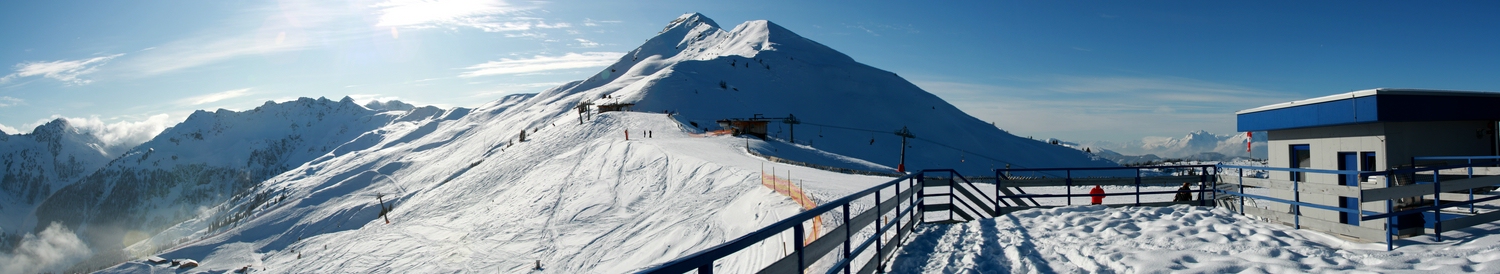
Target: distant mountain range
x=65 y=177
x=1197 y=145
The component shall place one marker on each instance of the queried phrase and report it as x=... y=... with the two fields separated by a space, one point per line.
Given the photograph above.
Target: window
x=1301 y=156
x=1366 y=163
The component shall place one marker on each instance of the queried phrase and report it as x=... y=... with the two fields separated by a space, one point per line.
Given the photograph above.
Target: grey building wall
x=1325 y=143
x=1394 y=143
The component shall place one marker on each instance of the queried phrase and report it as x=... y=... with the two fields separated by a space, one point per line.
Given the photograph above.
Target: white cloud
x=53 y=250
x=193 y=52
x=268 y=30
x=117 y=136
x=122 y=135
x=8 y=130
x=527 y=34
x=66 y=71
x=543 y=63
x=6 y=101
x=366 y=98
x=589 y=22
x=586 y=43
x=486 y=15
x=215 y=97
x=419 y=12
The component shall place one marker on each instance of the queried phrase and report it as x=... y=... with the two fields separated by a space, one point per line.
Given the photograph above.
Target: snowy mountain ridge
x=703 y=74
x=201 y=162
x=465 y=188
x=1191 y=145
x=35 y=165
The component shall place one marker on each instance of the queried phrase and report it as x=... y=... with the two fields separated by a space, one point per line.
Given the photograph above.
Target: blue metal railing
x=1204 y=172
x=703 y=261
x=914 y=198
x=1296 y=203
x=1469 y=160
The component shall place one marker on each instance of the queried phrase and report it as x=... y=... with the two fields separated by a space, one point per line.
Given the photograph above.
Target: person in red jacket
x=1098 y=194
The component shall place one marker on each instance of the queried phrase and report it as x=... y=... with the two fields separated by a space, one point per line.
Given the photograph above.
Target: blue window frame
x=1301 y=156
x=1349 y=161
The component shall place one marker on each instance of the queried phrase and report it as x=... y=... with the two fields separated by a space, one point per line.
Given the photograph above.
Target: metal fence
x=892 y=216
x=1393 y=186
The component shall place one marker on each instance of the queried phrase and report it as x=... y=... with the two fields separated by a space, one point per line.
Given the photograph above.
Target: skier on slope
x=1098 y=194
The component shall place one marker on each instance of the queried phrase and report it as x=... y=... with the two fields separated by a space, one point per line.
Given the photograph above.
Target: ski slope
x=579 y=198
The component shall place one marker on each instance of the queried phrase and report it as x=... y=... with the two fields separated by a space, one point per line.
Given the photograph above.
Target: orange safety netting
x=786 y=188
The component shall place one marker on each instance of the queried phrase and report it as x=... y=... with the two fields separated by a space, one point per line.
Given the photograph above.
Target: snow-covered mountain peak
x=689 y=20
x=60 y=135
x=206 y=159
x=1192 y=145
x=56 y=126
x=705 y=74
x=49 y=158
x=389 y=105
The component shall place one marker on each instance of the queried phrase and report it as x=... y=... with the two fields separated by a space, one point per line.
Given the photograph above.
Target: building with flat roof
x=1369 y=130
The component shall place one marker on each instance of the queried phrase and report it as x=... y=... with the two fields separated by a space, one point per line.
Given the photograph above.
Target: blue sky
x=1076 y=70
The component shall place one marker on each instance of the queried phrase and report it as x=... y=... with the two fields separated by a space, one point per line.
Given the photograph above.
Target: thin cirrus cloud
x=200 y=51
x=542 y=63
x=586 y=43
x=265 y=32
x=486 y=15
x=6 y=101
x=66 y=71
x=214 y=97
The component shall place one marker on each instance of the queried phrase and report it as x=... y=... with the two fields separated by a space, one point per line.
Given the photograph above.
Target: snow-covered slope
x=204 y=161
x=465 y=194
x=33 y=166
x=1177 y=239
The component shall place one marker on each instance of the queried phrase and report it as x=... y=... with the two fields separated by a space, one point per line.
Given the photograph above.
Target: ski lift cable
x=922 y=139
x=979 y=155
